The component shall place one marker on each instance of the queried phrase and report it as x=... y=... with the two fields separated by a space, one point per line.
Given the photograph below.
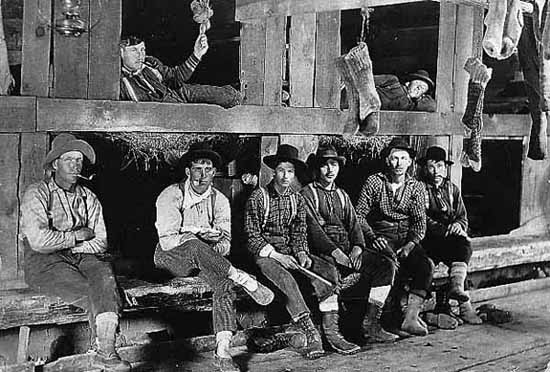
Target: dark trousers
x=79 y=279
x=293 y=283
x=416 y=270
x=195 y=255
x=448 y=249
x=225 y=96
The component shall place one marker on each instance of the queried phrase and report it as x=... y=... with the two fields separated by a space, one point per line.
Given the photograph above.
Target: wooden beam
x=463 y=50
x=275 y=53
x=506 y=290
x=35 y=67
x=17 y=114
x=252 y=60
x=444 y=90
x=23 y=344
x=302 y=59
x=104 y=62
x=327 y=79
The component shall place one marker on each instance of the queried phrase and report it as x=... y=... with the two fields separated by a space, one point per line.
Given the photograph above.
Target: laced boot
x=314 y=346
x=106 y=358
x=372 y=329
x=412 y=323
x=333 y=335
x=467 y=313
x=458 y=276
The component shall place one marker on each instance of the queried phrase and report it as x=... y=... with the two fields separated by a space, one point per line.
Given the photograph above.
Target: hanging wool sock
x=512 y=28
x=492 y=41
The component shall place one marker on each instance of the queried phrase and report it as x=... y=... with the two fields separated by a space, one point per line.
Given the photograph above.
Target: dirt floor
x=521 y=345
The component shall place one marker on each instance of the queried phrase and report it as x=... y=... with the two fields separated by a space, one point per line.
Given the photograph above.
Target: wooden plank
x=274 y=56
x=35 y=67
x=23 y=344
x=268 y=146
x=455 y=153
x=21 y=367
x=535 y=198
x=328 y=44
x=9 y=204
x=252 y=60
x=445 y=56
x=463 y=51
x=17 y=114
x=104 y=63
x=70 y=58
x=506 y=290
x=477 y=37
x=302 y=59
x=34 y=147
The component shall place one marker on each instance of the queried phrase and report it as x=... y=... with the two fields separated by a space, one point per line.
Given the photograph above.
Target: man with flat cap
x=275 y=229
x=334 y=234
x=64 y=235
x=447 y=238
x=194 y=228
x=392 y=213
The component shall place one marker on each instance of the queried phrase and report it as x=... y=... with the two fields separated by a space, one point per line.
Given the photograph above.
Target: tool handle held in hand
x=313 y=275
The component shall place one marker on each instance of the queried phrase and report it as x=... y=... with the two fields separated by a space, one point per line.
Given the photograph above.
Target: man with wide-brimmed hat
x=413 y=95
x=447 y=229
x=335 y=235
x=194 y=228
x=64 y=234
x=275 y=228
x=392 y=213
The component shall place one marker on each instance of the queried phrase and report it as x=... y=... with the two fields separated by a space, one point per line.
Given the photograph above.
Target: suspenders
x=293 y=206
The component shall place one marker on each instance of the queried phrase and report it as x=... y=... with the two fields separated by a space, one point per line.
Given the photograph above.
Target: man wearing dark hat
x=392 y=213
x=447 y=225
x=411 y=96
x=275 y=228
x=194 y=229
x=335 y=235
x=64 y=232
x=145 y=78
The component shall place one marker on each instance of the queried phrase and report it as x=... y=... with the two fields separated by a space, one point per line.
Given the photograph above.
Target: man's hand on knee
x=405 y=250
x=341 y=258
x=304 y=260
x=288 y=262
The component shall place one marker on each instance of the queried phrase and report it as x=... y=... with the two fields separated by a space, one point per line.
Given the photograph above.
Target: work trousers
x=195 y=255
x=292 y=283
x=448 y=249
x=225 y=96
x=80 y=279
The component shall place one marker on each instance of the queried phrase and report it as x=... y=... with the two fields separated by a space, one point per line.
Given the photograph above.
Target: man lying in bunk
x=275 y=228
x=447 y=238
x=146 y=78
x=64 y=236
x=392 y=213
x=334 y=234
x=413 y=95
x=194 y=228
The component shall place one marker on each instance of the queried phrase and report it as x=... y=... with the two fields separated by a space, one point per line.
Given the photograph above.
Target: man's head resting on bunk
x=132 y=53
x=419 y=83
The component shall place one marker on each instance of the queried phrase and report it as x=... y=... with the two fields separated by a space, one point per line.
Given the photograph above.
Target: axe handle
x=313 y=275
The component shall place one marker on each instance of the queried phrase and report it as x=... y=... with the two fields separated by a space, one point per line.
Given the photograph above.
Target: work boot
x=106 y=358
x=259 y=293
x=468 y=314
x=372 y=329
x=412 y=323
x=333 y=335
x=458 y=276
x=314 y=346
x=225 y=364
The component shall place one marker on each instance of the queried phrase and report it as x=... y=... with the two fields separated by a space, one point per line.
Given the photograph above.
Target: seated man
x=447 y=225
x=392 y=213
x=194 y=229
x=64 y=236
x=145 y=78
x=411 y=96
x=275 y=228
x=335 y=235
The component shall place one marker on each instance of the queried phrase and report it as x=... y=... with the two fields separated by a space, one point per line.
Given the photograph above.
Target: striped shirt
x=378 y=202
x=50 y=216
x=285 y=232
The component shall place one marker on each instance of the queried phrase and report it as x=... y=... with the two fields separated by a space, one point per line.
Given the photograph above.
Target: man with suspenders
x=64 y=236
x=335 y=235
x=275 y=229
x=194 y=228
x=447 y=238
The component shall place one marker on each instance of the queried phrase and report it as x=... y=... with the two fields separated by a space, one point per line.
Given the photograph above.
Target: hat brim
x=425 y=79
x=201 y=154
x=73 y=145
x=273 y=160
x=422 y=161
x=386 y=152
x=316 y=161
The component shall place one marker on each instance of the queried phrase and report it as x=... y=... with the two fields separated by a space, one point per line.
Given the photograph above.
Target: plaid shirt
x=377 y=202
x=285 y=235
x=50 y=216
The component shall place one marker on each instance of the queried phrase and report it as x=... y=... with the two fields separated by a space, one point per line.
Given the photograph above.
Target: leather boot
x=458 y=276
x=467 y=313
x=314 y=346
x=106 y=358
x=334 y=337
x=412 y=324
x=372 y=329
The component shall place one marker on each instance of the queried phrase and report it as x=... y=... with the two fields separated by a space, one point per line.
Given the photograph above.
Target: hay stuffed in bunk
x=356 y=148
x=148 y=151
